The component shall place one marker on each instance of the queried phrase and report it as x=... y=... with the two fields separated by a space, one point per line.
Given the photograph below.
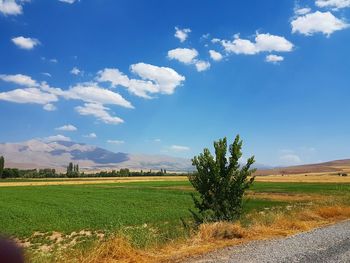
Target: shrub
x=220 y=182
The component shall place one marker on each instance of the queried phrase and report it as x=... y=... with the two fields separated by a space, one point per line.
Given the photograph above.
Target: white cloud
x=25 y=42
x=90 y=92
x=19 y=79
x=188 y=56
x=269 y=43
x=302 y=11
x=182 y=34
x=49 y=107
x=318 y=22
x=184 y=55
x=154 y=79
x=76 y=71
x=53 y=60
x=68 y=127
x=114 y=76
x=28 y=95
x=68 y=1
x=179 y=148
x=165 y=79
x=157 y=140
x=239 y=46
x=274 y=58
x=335 y=4
x=91 y=135
x=99 y=111
x=202 y=65
x=10 y=7
x=115 y=141
x=46 y=74
x=263 y=43
x=290 y=159
x=215 y=55
x=58 y=137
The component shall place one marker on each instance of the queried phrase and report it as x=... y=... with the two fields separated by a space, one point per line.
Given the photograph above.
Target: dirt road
x=329 y=244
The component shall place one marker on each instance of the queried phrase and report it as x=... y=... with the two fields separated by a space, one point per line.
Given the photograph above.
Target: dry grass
x=117 y=249
x=286 y=197
x=209 y=237
x=304 y=178
x=80 y=181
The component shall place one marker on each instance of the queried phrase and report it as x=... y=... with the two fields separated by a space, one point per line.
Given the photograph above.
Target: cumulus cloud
x=318 y=22
x=202 y=65
x=263 y=43
x=19 y=79
x=67 y=127
x=89 y=92
x=114 y=76
x=165 y=79
x=99 y=111
x=188 y=56
x=49 y=107
x=153 y=80
x=76 y=71
x=182 y=34
x=25 y=42
x=115 y=141
x=10 y=7
x=274 y=59
x=179 y=148
x=184 y=55
x=335 y=4
x=28 y=95
x=93 y=96
x=216 y=56
x=91 y=135
x=58 y=137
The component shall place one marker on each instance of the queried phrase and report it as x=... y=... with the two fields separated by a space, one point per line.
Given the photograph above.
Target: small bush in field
x=220 y=182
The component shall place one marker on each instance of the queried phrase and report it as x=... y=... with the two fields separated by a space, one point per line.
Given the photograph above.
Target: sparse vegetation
x=221 y=184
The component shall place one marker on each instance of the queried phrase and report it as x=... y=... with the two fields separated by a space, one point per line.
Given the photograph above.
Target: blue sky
x=169 y=77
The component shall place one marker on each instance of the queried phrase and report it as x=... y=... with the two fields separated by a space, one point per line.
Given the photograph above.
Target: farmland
x=46 y=217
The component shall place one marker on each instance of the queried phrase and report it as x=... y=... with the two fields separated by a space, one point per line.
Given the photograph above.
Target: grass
x=25 y=210
x=147 y=213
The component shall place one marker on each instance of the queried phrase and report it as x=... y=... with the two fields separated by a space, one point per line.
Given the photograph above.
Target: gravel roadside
x=329 y=244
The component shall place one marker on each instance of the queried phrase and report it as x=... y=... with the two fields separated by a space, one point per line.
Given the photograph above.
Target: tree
x=69 y=168
x=124 y=172
x=2 y=164
x=220 y=182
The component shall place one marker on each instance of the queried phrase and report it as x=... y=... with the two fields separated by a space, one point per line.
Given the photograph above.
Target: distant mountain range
x=37 y=153
x=57 y=154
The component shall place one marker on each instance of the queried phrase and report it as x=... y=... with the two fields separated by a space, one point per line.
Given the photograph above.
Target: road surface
x=327 y=245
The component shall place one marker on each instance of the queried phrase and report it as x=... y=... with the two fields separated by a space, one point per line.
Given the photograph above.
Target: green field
x=26 y=209
x=125 y=207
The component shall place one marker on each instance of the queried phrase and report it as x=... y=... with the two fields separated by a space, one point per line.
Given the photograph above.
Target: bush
x=220 y=182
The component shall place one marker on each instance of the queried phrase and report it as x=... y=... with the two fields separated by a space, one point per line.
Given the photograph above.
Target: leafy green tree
x=220 y=182
x=124 y=172
x=2 y=164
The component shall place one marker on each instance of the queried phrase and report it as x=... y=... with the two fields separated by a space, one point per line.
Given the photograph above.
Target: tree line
x=72 y=171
